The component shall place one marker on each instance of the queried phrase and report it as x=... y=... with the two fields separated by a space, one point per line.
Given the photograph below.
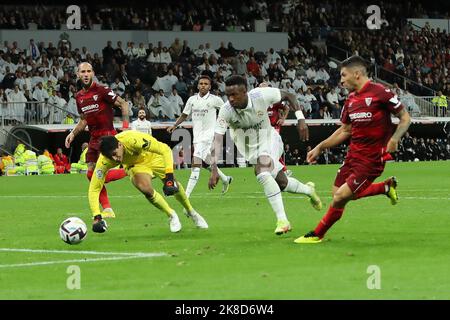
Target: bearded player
x=95 y=104
x=366 y=120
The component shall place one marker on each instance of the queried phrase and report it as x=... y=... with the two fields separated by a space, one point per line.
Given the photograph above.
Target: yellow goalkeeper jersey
x=142 y=154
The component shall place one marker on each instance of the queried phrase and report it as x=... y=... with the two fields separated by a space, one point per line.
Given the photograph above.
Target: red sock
x=372 y=190
x=328 y=220
x=115 y=174
x=103 y=197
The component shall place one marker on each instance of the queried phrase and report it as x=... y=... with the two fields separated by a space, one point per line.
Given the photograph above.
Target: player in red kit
x=95 y=105
x=366 y=119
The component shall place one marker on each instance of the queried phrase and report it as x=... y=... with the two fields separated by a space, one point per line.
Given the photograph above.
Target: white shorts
x=270 y=144
x=202 y=150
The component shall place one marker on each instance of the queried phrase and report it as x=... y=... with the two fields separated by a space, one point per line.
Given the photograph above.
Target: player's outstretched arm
x=81 y=125
x=123 y=105
x=402 y=127
x=302 y=128
x=216 y=149
x=180 y=120
x=343 y=133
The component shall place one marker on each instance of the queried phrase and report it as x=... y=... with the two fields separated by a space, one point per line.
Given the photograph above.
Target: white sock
x=222 y=175
x=273 y=194
x=295 y=186
x=193 y=179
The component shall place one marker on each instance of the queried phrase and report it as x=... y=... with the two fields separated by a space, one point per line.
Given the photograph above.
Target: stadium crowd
x=40 y=79
x=195 y=15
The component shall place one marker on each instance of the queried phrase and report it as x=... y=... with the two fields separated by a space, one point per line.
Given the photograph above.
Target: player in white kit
x=203 y=108
x=246 y=115
x=141 y=124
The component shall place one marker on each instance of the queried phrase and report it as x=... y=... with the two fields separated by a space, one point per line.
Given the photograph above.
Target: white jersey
x=250 y=128
x=144 y=126
x=203 y=110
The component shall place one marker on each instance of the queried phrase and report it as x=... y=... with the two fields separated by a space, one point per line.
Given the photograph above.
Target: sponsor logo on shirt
x=257 y=126
x=199 y=112
x=361 y=116
x=90 y=107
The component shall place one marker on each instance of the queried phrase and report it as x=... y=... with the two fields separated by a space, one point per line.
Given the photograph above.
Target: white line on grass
x=32 y=264
x=210 y=195
x=114 y=256
x=83 y=252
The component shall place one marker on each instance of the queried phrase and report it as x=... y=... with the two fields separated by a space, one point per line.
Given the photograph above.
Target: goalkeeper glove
x=170 y=186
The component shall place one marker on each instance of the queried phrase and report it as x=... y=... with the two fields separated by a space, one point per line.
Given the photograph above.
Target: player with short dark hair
x=203 y=107
x=143 y=157
x=259 y=143
x=95 y=105
x=366 y=120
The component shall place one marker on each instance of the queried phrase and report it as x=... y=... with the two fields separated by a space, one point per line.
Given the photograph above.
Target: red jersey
x=96 y=105
x=274 y=114
x=369 y=113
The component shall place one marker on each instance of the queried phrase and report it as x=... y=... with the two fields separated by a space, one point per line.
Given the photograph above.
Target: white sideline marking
x=258 y=195
x=114 y=256
x=83 y=252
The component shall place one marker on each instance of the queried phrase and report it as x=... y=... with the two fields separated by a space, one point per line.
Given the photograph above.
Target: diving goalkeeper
x=143 y=157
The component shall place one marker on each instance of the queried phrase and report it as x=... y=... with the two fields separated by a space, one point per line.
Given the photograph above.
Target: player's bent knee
x=340 y=199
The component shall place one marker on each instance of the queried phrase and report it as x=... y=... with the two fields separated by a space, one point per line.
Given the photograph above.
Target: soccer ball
x=73 y=230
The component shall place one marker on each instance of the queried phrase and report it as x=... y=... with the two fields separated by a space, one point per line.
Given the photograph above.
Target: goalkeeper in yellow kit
x=143 y=157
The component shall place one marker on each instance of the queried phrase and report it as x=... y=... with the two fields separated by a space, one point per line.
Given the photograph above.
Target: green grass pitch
x=239 y=257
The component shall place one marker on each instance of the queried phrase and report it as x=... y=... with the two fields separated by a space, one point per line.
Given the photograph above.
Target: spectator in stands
x=296 y=157
x=185 y=50
x=177 y=48
x=33 y=50
x=333 y=102
x=288 y=159
x=157 y=104
x=17 y=108
x=299 y=83
x=141 y=51
x=138 y=99
x=176 y=104
x=165 y=56
x=311 y=74
x=41 y=96
x=107 y=53
x=118 y=87
x=154 y=56
x=141 y=123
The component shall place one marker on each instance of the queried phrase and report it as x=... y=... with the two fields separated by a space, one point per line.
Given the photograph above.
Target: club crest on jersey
x=368 y=101
x=95 y=97
x=260 y=113
x=99 y=173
